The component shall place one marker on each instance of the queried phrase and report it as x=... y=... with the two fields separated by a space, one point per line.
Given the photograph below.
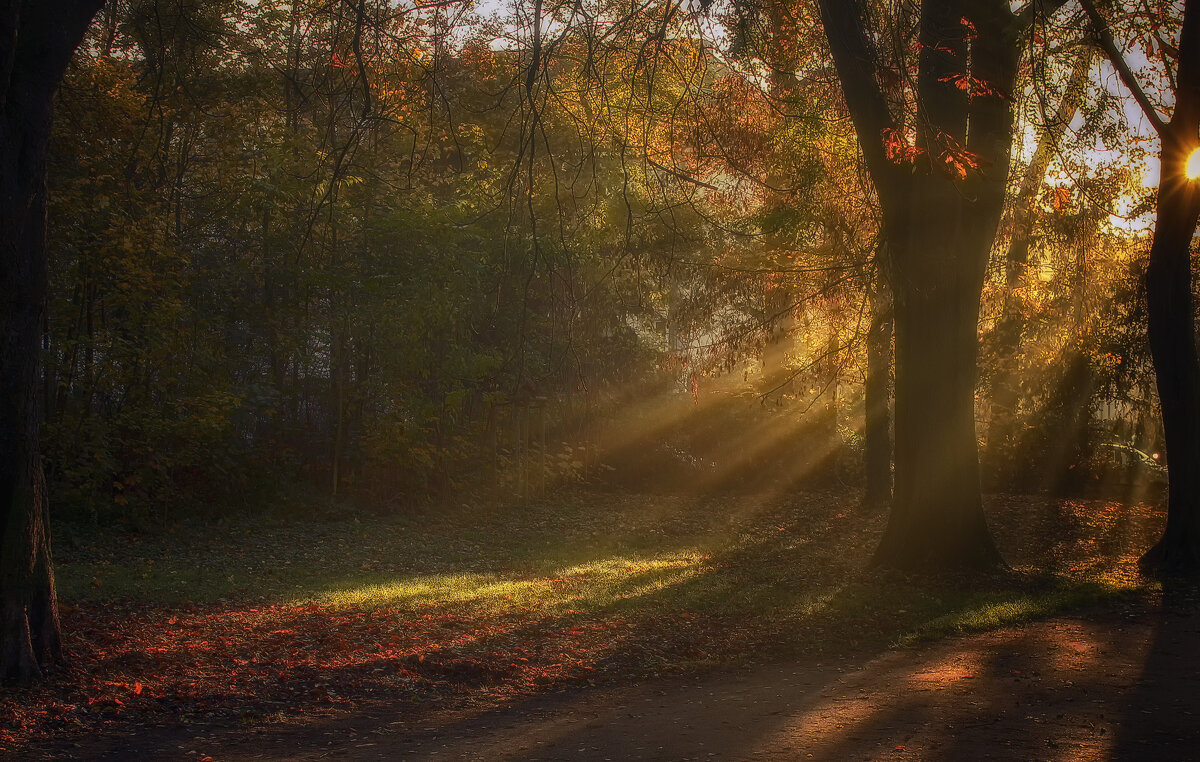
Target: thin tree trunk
x=877 y=435
x=1169 y=304
x=1173 y=346
x=1006 y=393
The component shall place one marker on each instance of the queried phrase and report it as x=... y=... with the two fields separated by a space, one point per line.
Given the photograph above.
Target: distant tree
x=1170 y=309
x=1002 y=430
x=37 y=40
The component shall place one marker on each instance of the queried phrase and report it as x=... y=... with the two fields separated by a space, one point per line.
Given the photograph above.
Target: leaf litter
x=772 y=575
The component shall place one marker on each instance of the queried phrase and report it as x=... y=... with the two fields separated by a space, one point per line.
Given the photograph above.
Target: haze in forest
x=750 y=316
x=384 y=270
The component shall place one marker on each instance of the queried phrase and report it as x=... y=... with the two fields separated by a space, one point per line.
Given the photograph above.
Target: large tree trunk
x=1173 y=347
x=937 y=519
x=37 y=39
x=940 y=213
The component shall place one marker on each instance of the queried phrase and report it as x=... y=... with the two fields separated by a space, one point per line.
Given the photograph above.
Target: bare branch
x=856 y=65
x=1109 y=45
x=1037 y=9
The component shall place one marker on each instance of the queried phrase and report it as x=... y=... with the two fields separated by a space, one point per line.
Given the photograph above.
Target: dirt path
x=1121 y=684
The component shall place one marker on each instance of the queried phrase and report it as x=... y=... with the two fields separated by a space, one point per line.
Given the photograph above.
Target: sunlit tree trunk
x=37 y=39
x=1173 y=347
x=939 y=224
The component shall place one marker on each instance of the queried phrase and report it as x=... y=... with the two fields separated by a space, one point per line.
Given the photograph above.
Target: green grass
x=786 y=573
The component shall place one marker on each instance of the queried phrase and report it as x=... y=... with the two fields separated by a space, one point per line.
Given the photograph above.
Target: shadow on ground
x=1119 y=683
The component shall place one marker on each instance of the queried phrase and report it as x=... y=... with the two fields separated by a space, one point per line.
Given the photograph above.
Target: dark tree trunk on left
x=37 y=40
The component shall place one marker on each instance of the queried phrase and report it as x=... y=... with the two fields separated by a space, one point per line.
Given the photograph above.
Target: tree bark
x=1171 y=314
x=937 y=521
x=877 y=435
x=939 y=224
x=37 y=39
x=1169 y=303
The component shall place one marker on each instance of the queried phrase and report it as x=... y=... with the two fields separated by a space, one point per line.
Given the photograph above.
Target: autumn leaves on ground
x=245 y=623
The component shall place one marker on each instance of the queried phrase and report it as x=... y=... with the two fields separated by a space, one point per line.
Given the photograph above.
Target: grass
x=246 y=619
x=786 y=565
x=591 y=585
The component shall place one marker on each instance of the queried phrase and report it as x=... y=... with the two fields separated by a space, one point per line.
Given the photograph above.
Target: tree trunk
x=1173 y=347
x=940 y=210
x=1170 y=308
x=937 y=520
x=877 y=435
x=37 y=39
x=1169 y=305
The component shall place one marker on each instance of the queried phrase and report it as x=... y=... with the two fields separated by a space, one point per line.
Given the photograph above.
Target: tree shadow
x=1161 y=718
x=833 y=615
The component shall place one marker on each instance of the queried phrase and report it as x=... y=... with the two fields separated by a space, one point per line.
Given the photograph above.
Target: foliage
x=287 y=248
x=373 y=252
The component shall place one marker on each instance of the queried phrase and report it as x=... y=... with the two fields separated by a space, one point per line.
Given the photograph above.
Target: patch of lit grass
x=1003 y=608
x=442 y=589
x=591 y=585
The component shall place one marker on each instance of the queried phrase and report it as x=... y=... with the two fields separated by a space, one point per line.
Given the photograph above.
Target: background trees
x=363 y=253
x=249 y=283
x=364 y=248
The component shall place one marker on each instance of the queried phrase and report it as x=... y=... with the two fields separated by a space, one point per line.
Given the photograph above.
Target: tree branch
x=1187 y=83
x=1042 y=8
x=1117 y=59
x=856 y=66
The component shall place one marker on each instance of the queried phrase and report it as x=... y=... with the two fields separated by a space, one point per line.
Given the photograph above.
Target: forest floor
x=609 y=626
x=1114 y=683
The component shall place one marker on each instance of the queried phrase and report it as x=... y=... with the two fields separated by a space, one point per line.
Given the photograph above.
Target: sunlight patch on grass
x=596 y=583
x=439 y=588
x=1016 y=608
x=987 y=616
x=618 y=568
